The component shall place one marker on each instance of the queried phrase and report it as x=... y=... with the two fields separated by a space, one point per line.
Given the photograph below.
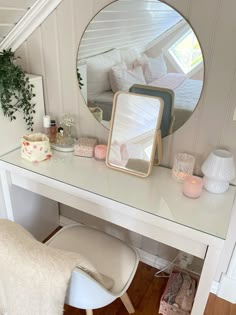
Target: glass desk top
x=158 y=194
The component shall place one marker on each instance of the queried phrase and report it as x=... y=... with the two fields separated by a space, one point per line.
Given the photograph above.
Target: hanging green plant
x=80 y=79
x=16 y=91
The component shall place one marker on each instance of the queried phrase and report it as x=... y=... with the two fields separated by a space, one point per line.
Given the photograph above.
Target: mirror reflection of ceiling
x=11 y=12
x=139 y=42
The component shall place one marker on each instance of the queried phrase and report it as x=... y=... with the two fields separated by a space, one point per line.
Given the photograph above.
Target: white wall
x=51 y=51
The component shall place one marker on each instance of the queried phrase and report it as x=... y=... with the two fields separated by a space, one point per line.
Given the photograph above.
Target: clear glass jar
x=183 y=166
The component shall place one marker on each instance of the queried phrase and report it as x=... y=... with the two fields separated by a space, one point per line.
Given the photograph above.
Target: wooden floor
x=145 y=293
x=217 y=306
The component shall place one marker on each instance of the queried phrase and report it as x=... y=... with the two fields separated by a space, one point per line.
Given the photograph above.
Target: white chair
x=112 y=258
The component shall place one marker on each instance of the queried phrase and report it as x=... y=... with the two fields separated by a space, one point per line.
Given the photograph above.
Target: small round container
x=192 y=186
x=35 y=147
x=100 y=152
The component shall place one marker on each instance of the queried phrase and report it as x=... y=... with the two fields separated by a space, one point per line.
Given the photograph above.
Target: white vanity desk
x=154 y=207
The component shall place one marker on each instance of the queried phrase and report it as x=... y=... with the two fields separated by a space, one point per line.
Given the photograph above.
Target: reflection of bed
x=119 y=69
x=186 y=99
x=186 y=91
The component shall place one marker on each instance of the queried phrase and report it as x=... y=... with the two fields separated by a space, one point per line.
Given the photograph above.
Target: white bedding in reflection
x=169 y=81
x=187 y=93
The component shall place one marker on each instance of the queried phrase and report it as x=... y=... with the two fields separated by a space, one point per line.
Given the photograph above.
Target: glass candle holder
x=192 y=187
x=183 y=166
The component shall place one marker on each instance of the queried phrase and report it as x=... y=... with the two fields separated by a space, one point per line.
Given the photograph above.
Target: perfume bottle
x=53 y=131
x=46 y=125
x=60 y=139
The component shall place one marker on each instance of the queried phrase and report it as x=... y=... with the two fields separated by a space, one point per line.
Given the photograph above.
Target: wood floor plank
x=145 y=293
x=217 y=306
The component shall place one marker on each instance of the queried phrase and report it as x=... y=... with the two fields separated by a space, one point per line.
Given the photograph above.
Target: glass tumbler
x=183 y=166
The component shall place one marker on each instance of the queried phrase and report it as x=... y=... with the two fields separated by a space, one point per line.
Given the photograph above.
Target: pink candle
x=100 y=152
x=192 y=186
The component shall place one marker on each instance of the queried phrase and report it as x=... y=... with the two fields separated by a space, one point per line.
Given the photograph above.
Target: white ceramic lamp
x=218 y=170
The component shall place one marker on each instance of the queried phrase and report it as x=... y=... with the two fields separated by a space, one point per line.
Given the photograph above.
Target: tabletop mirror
x=139 y=42
x=135 y=126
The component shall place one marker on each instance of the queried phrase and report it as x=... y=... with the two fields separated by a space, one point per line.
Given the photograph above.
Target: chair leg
x=89 y=312
x=127 y=303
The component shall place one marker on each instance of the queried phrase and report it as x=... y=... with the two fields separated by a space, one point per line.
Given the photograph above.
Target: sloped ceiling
x=11 y=12
x=19 y=18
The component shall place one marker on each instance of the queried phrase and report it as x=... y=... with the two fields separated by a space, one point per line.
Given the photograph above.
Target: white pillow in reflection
x=121 y=78
x=98 y=72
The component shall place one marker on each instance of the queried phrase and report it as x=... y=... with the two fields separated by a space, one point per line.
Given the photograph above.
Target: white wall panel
x=24 y=62
x=229 y=129
x=34 y=55
x=52 y=67
x=183 y=6
x=219 y=82
x=66 y=56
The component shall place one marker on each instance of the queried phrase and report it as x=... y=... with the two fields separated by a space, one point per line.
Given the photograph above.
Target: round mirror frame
x=95 y=112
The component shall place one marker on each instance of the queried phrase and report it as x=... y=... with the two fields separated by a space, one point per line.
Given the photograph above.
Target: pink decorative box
x=85 y=147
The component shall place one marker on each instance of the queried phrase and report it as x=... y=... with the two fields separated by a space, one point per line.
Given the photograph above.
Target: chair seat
x=110 y=256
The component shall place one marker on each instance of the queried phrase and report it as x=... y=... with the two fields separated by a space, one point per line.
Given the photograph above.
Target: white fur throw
x=34 y=277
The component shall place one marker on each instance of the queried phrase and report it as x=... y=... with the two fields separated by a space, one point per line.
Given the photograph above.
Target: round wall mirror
x=141 y=47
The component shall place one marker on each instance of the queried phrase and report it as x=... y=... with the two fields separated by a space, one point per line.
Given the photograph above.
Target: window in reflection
x=186 y=52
